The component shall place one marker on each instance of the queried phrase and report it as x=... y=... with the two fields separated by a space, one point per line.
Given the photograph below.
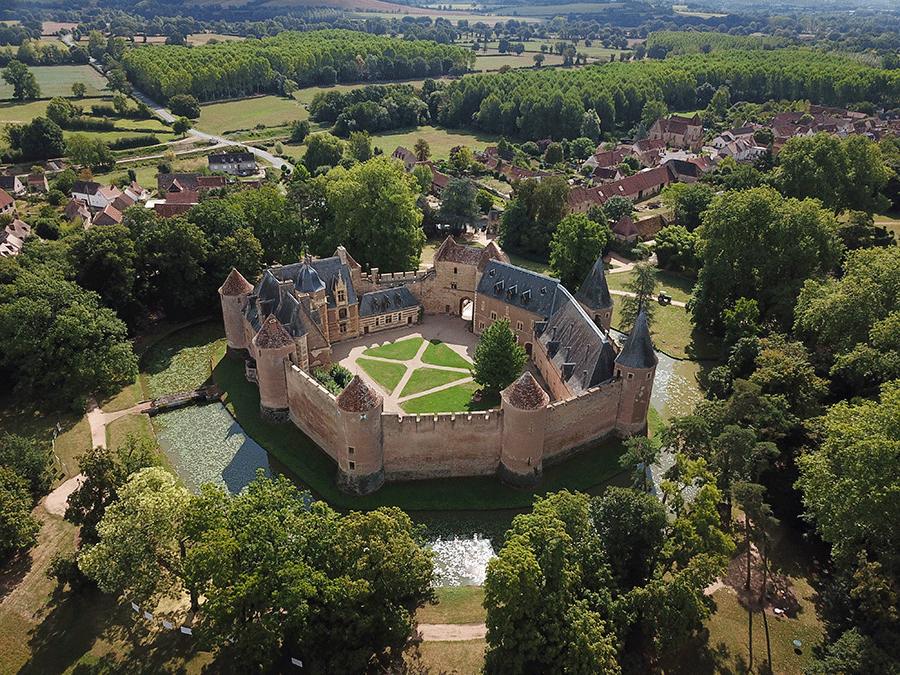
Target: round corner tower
x=524 y=405
x=233 y=295
x=272 y=347
x=636 y=368
x=360 y=459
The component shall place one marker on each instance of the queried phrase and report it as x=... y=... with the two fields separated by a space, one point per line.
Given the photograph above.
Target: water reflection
x=675 y=389
x=205 y=445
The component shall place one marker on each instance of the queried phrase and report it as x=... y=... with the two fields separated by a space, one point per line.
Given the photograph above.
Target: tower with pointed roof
x=360 y=458
x=272 y=348
x=233 y=295
x=524 y=405
x=636 y=366
x=593 y=295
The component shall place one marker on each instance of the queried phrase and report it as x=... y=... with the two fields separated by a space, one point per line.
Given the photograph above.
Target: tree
x=105 y=472
x=25 y=87
x=40 y=139
x=484 y=201
x=61 y=111
x=299 y=131
x=642 y=283
x=590 y=126
x=79 y=89
x=90 y=152
x=375 y=214
x=538 y=59
x=322 y=149
x=142 y=538
x=533 y=214
x=359 y=146
x=799 y=240
x=104 y=262
x=46 y=321
x=689 y=202
x=184 y=105
x=18 y=528
x=27 y=458
x=554 y=154
x=461 y=158
x=616 y=207
x=458 y=208
x=577 y=244
x=499 y=359
x=676 y=249
x=424 y=177
x=65 y=180
x=841 y=174
x=652 y=111
x=422 y=150
x=581 y=148
x=279 y=574
x=181 y=126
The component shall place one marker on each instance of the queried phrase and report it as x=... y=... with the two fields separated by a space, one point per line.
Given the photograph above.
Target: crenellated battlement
x=437 y=422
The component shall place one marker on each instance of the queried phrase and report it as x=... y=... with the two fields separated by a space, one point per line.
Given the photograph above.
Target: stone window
x=387 y=319
x=352 y=465
x=342 y=313
x=376 y=322
x=519 y=325
x=343 y=328
x=454 y=270
x=493 y=316
x=453 y=285
x=350 y=450
x=648 y=375
x=342 y=297
x=481 y=325
x=399 y=317
x=630 y=376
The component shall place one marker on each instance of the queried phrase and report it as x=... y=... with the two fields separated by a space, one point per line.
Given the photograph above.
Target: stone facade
x=284 y=327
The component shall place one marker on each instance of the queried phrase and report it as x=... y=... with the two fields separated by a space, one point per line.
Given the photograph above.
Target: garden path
x=677 y=303
x=451 y=632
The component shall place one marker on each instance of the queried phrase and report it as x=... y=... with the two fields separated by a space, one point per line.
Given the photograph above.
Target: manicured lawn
x=223 y=118
x=424 y=379
x=679 y=287
x=439 y=354
x=388 y=375
x=456 y=604
x=129 y=396
x=58 y=80
x=402 y=350
x=525 y=263
x=454 y=399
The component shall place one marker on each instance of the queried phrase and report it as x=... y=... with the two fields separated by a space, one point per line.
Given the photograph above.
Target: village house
x=7 y=203
x=95 y=195
x=12 y=185
x=678 y=131
x=408 y=157
x=639 y=186
x=77 y=208
x=37 y=182
x=12 y=238
x=109 y=215
x=233 y=163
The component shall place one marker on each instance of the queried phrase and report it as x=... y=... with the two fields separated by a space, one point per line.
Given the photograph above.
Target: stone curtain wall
x=314 y=411
x=441 y=446
x=577 y=422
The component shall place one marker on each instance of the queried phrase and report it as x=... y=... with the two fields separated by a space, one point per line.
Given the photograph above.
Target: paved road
x=277 y=162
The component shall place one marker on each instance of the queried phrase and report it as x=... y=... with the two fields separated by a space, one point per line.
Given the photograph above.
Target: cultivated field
x=58 y=80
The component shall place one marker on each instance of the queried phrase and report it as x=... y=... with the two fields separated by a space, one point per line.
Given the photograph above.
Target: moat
x=206 y=444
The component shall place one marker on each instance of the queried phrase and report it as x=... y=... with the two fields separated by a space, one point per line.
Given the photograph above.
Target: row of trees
x=24 y=478
x=534 y=104
x=230 y=69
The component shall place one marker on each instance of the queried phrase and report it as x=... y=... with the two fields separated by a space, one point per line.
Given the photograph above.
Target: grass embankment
x=401 y=350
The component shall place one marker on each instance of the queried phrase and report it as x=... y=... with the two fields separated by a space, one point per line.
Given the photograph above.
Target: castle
x=285 y=325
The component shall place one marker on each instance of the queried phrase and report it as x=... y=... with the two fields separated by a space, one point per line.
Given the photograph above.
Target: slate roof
x=638 y=351
x=513 y=285
x=232 y=158
x=9 y=183
x=386 y=301
x=328 y=270
x=578 y=349
x=85 y=187
x=594 y=291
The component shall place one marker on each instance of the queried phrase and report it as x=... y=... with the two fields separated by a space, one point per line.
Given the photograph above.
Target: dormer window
x=341 y=296
x=543 y=290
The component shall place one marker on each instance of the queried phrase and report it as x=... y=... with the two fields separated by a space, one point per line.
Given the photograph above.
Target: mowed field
x=58 y=81
x=270 y=111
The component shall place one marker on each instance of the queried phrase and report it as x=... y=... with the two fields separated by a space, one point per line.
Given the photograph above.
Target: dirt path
x=99 y=419
x=452 y=632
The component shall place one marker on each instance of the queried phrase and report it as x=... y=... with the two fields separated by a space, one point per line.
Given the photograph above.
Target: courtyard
x=421 y=368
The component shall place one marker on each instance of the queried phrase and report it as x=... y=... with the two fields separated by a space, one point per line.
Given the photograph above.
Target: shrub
x=127 y=142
